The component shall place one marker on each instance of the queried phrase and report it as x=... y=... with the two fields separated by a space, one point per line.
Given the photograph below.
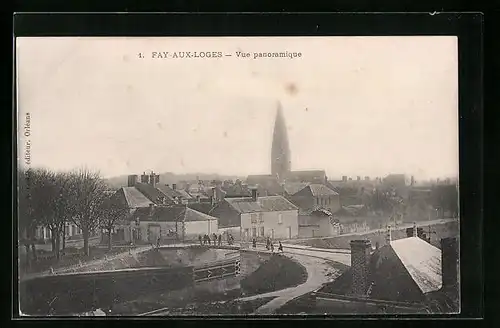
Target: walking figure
x=158 y=242
x=268 y=243
x=280 y=247
x=208 y=240
x=220 y=240
x=254 y=243
x=199 y=238
x=214 y=235
x=272 y=247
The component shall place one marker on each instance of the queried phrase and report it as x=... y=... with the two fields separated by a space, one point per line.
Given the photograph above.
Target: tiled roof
x=171 y=214
x=167 y=191
x=201 y=207
x=160 y=213
x=152 y=193
x=171 y=193
x=192 y=215
x=294 y=187
x=422 y=261
x=184 y=194
x=321 y=190
x=134 y=198
x=262 y=204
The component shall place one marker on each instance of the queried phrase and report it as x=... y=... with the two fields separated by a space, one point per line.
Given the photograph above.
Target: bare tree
x=26 y=214
x=63 y=208
x=112 y=211
x=43 y=194
x=88 y=192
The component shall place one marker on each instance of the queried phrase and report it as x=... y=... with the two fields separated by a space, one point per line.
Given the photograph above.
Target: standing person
x=254 y=243
x=220 y=240
x=208 y=240
x=158 y=241
x=215 y=238
x=199 y=238
x=268 y=242
x=280 y=247
x=272 y=247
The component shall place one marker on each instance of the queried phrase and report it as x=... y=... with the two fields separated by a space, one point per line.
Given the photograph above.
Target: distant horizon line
x=244 y=176
x=329 y=177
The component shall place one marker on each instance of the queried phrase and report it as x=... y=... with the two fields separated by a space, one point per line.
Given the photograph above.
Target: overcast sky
x=353 y=106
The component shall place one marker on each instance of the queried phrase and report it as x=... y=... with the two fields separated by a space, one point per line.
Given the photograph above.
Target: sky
x=366 y=106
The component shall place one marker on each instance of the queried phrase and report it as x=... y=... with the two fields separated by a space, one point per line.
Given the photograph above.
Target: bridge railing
x=216 y=270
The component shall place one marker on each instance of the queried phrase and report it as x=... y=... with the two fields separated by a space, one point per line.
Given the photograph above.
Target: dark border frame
x=467 y=26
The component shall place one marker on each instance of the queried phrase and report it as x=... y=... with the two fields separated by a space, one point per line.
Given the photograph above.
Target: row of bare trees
x=53 y=199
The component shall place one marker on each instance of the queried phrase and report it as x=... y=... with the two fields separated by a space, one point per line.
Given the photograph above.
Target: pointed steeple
x=280 y=151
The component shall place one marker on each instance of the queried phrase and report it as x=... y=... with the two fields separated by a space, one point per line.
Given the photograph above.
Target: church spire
x=280 y=151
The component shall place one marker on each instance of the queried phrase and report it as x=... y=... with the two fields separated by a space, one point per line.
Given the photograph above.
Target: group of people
x=269 y=245
x=215 y=239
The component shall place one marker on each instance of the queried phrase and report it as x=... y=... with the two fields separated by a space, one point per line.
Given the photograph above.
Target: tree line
x=52 y=199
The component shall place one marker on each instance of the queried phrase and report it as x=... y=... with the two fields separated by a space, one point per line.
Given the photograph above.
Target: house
x=174 y=195
x=407 y=275
x=319 y=222
x=132 y=197
x=155 y=195
x=317 y=204
x=72 y=231
x=178 y=223
x=259 y=217
x=316 y=195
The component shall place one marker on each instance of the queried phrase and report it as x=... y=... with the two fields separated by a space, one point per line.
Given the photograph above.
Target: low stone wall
x=438 y=231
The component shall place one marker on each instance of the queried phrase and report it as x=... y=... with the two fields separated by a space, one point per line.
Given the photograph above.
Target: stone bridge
x=182 y=268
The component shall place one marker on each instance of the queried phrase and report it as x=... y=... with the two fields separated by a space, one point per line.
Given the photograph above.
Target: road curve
x=319 y=271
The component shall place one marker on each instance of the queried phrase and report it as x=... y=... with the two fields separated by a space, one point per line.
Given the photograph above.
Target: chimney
x=389 y=234
x=144 y=178
x=174 y=186
x=449 y=263
x=132 y=180
x=360 y=259
x=254 y=194
x=152 y=179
